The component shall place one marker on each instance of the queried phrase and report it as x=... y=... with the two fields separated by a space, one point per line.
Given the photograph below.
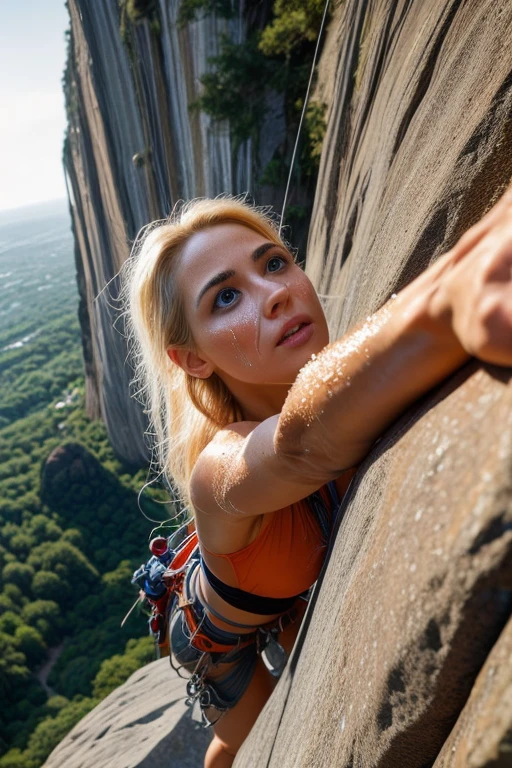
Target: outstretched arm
x=344 y=398
x=461 y=306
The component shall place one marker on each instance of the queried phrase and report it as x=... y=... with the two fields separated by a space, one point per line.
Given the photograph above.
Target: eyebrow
x=221 y=277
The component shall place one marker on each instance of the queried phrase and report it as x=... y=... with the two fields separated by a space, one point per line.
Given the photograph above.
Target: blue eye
x=275 y=263
x=225 y=298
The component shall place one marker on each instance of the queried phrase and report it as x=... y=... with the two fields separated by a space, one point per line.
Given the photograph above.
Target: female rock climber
x=259 y=421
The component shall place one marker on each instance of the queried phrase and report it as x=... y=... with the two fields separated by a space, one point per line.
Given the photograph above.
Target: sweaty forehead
x=219 y=246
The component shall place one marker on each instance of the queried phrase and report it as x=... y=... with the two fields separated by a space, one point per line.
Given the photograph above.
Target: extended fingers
x=499 y=214
x=485 y=328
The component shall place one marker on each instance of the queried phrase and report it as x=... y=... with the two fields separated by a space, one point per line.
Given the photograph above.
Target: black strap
x=246 y=601
x=266 y=606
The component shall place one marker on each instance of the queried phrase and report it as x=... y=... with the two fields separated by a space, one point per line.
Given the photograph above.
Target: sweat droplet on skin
x=232 y=469
x=330 y=373
x=245 y=360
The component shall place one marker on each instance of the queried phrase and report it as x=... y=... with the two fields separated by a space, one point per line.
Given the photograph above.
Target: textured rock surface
x=144 y=723
x=133 y=149
x=482 y=737
x=418 y=143
x=410 y=613
x=419 y=584
x=417 y=590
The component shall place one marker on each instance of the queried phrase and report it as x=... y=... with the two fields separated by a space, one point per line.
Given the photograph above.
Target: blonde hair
x=184 y=412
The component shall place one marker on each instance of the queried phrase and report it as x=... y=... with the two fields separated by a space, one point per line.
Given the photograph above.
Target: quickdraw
x=159 y=579
x=163 y=582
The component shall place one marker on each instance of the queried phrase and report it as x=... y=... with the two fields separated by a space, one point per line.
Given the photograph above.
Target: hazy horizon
x=20 y=212
x=32 y=115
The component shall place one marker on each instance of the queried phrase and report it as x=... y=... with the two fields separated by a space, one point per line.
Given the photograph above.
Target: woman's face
x=253 y=313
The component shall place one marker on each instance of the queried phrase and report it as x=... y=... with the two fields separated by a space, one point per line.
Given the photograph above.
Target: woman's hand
x=462 y=305
x=347 y=395
x=474 y=290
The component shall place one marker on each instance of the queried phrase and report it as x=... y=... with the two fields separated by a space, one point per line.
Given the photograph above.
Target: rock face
x=482 y=735
x=416 y=592
x=67 y=465
x=133 y=149
x=143 y=723
x=418 y=588
x=404 y=656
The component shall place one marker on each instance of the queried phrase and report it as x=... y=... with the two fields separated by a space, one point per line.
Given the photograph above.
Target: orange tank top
x=286 y=556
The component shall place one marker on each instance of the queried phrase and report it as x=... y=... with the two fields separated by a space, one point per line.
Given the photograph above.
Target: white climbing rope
x=303 y=113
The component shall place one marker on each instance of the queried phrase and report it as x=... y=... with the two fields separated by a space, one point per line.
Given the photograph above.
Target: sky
x=32 y=120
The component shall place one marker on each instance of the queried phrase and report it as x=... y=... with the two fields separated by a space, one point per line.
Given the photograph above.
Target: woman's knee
x=219 y=755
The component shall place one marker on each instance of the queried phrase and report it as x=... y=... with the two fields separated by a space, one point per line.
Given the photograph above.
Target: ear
x=190 y=362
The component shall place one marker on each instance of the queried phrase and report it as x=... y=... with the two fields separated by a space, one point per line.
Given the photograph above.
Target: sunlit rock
x=144 y=722
x=418 y=587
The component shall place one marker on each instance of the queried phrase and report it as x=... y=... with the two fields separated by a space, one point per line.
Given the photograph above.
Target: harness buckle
x=272 y=653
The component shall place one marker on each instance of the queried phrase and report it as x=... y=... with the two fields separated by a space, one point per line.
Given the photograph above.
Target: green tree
x=295 y=22
x=44 y=615
x=68 y=563
x=235 y=88
x=13 y=667
x=21 y=544
x=15 y=594
x=19 y=574
x=44 y=529
x=52 y=730
x=31 y=644
x=47 y=585
x=75 y=537
x=15 y=758
x=9 y=622
x=6 y=604
x=116 y=670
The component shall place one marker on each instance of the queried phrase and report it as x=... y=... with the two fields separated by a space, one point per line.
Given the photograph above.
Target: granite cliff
x=133 y=149
x=404 y=657
x=416 y=596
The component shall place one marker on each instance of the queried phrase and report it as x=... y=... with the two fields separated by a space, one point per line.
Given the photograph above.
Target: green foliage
x=277 y=58
x=10 y=622
x=31 y=644
x=15 y=758
x=135 y=12
x=295 y=23
x=19 y=574
x=114 y=671
x=51 y=586
x=91 y=644
x=67 y=562
x=43 y=528
x=65 y=559
x=37 y=373
x=13 y=669
x=52 y=730
x=15 y=594
x=6 y=604
x=235 y=88
x=138 y=10
x=191 y=10
x=44 y=615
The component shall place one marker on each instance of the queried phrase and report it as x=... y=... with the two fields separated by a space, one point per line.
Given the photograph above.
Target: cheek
x=233 y=340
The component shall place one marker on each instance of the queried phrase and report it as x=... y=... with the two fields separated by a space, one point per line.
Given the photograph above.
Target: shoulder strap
x=183 y=554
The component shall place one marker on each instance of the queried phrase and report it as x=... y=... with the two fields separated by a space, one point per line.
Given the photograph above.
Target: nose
x=276 y=299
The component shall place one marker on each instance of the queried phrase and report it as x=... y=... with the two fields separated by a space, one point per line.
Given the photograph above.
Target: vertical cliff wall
x=133 y=149
x=403 y=659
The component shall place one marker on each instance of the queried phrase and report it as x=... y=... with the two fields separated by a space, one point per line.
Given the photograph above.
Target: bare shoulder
x=217 y=462
x=241 y=474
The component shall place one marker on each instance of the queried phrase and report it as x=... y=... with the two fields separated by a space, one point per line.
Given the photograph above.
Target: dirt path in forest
x=43 y=673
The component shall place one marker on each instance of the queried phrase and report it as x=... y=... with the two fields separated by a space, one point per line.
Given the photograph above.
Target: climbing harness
x=183 y=631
